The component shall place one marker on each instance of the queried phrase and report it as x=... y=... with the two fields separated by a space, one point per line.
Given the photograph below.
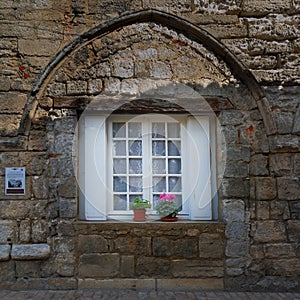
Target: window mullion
x=146 y=160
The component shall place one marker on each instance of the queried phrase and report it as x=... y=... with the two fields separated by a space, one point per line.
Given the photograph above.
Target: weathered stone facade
x=236 y=59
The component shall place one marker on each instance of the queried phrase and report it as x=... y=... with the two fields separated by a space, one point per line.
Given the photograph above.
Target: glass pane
x=119 y=184
x=119 y=129
x=158 y=166
x=135 y=166
x=174 y=166
x=135 y=184
x=120 y=202
x=159 y=184
x=135 y=148
x=132 y=197
x=158 y=130
x=174 y=184
x=119 y=148
x=134 y=130
x=178 y=201
x=155 y=200
x=158 y=148
x=119 y=166
x=174 y=148
x=173 y=130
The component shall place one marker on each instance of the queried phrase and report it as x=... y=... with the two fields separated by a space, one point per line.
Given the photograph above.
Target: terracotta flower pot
x=139 y=215
x=169 y=219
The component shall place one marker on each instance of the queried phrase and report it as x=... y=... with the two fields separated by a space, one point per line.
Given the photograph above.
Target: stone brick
x=9 y=124
x=39 y=231
x=281 y=164
x=269 y=232
x=233 y=210
x=7 y=271
x=284 y=143
x=262 y=210
x=99 y=265
x=160 y=70
x=234 y=187
x=281 y=250
x=8 y=231
x=92 y=244
x=283 y=267
x=284 y=122
x=293 y=230
x=197 y=268
x=237 y=249
x=236 y=169
x=165 y=247
x=123 y=68
x=153 y=266
x=68 y=189
x=30 y=251
x=259 y=165
x=127 y=268
x=4 y=252
x=12 y=102
x=211 y=245
x=25 y=269
x=279 y=210
x=261 y=7
x=39 y=47
x=76 y=87
x=25 y=231
x=237 y=231
x=40 y=187
x=231 y=117
x=133 y=245
x=288 y=188
x=265 y=188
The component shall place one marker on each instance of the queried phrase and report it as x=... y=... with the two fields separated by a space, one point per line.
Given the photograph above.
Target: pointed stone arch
x=182 y=26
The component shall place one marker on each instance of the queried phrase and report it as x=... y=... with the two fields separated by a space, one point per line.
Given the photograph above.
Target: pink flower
x=167 y=197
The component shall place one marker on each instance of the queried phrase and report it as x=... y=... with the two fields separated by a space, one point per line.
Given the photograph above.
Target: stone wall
x=255 y=243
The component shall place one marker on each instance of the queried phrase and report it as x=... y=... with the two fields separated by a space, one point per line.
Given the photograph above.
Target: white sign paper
x=14 y=181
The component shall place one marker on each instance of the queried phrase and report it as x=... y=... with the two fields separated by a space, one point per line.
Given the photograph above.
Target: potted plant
x=139 y=209
x=167 y=208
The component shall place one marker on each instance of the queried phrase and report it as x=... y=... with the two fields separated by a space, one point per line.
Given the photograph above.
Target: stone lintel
x=30 y=251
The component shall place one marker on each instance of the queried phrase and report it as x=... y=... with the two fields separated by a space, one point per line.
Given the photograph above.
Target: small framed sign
x=14 y=181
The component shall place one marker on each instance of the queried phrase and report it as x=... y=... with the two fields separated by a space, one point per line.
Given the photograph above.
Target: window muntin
x=146 y=160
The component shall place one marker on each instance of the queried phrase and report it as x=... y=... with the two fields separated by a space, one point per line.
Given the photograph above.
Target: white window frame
x=198 y=156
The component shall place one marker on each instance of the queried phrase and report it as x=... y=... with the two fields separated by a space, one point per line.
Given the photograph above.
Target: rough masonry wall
x=259 y=194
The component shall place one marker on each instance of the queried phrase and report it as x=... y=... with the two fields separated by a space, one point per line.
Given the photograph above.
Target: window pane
x=119 y=129
x=119 y=166
x=134 y=130
x=178 y=201
x=159 y=184
x=135 y=184
x=158 y=166
x=174 y=148
x=173 y=130
x=120 y=202
x=132 y=197
x=135 y=166
x=174 y=166
x=119 y=184
x=135 y=148
x=158 y=148
x=119 y=148
x=158 y=130
x=174 y=184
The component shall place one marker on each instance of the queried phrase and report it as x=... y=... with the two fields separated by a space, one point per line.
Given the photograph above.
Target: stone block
x=38 y=47
x=7 y=271
x=92 y=244
x=190 y=284
x=37 y=140
x=25 y=231
x=236 y=169
x=265 y=188
x=40 y=187
x=197 y=268
x=122 y=68
x=234 y=187
x=233 y=210
x=78 y=87
x=281 y=164
x=160 y=70
x=261 y=7
x=284 y=122
x=279 y=210
x=99 y=265
x=231 y=117
x=262 y=210
x=282 y=250
x=30 y=251
x=165 y=247
x=269 y=231
x=284 y=143
x=211 y=245
x=12 y=102
x=293 y=230
x=39 y=231
x=127 y=266
x=8 y=231
x=133 y=245
x=9 y=124
x=68 y=188
x=94 y=86
x=237 y=231
x=288 y=188
x=153 y=266
x=237 y=248
x=283 y=267
x=4 y=252
x=56 y=89
x=25 y=269
x=259 y=165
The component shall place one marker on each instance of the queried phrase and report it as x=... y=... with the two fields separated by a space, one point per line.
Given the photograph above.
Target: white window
x=124 y=157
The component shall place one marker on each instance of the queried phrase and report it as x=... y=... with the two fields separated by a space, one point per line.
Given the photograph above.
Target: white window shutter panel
x=93 y=168
x=199 y=171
